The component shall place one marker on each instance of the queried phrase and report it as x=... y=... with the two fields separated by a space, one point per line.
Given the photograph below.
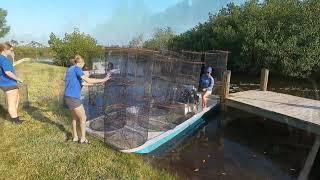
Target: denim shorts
x=71 y=103
x=9 y=88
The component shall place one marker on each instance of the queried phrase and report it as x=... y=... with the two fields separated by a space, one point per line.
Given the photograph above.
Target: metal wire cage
x=150 y=92
x=23 y=97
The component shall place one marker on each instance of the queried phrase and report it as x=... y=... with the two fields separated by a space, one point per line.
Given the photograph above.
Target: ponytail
x=2 y=47
x=72 y=62
x=77 y=59
x=5 y=46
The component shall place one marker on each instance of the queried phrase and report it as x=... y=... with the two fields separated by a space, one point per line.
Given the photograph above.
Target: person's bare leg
x=203 y=103
x=18 y=101
x=205 y=98
x=12 y=103
x=81 y=114
x=74 y=126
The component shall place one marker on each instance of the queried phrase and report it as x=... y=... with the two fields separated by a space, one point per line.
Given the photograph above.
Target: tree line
x=282 y=35
x=75 y=43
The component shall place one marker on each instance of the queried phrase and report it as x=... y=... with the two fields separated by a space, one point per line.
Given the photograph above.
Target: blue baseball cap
x=209 y=69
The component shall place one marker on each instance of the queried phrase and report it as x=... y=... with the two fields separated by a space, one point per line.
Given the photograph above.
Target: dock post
x=304 y=173
x=264 y=79
x=225 y=88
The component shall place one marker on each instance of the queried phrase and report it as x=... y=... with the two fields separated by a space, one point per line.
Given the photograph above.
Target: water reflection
x=247 y=148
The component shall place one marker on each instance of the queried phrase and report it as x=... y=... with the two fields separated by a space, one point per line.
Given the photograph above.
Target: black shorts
x=71 y=103
x=9 y=88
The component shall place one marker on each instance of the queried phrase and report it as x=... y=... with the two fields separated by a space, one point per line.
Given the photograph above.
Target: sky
x=111 y=22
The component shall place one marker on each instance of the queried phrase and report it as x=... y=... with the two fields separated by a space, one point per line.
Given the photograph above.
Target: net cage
x=23 y=97
x=217 y=59
x=150 y=92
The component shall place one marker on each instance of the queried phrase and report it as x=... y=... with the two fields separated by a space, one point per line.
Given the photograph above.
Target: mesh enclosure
x=150 y=92
x=218 y=60
x=24 y=96
x=95 y=100
x=23 y=100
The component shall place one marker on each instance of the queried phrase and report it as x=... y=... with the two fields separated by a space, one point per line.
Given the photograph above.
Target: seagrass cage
x=150 y=92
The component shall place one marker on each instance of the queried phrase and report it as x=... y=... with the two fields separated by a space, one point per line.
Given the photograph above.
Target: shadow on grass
x=3 y=115
x=37 y=114
x=3 y=112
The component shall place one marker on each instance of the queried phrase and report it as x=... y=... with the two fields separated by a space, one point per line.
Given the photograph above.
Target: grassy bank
x=38 y=149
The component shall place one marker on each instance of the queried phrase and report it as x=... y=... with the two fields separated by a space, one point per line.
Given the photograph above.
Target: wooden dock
x=294 y=111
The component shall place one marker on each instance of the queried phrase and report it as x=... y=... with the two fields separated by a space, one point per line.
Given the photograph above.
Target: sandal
x=86 y=141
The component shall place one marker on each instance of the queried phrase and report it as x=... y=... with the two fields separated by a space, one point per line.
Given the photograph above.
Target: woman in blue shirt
x=8 y=82
x=73 y=84
x=206 y=84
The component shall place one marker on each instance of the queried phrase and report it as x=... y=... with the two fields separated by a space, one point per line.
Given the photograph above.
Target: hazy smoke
x=129 y=21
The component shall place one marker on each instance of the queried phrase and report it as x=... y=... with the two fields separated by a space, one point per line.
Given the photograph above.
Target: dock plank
x=295 y=111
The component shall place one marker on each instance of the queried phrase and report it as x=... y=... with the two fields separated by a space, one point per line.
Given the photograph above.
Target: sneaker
x=17 y=121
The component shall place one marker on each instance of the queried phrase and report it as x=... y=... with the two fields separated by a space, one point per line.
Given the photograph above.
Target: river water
x=249 y=147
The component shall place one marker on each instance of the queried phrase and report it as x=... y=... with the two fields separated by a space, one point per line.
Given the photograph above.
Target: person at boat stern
x=206 y=86
x=72 y=96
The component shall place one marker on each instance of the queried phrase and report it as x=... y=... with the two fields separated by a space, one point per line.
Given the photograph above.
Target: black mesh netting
x=150 y=92
x=23 y=97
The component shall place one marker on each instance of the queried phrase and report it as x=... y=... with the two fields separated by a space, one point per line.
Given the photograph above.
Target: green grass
x=38 y=150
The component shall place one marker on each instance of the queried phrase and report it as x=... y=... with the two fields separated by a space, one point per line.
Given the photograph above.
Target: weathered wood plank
x=264 y=79
x=278 y=102
x=295 y=111
x=304 y=174
x=225 y=88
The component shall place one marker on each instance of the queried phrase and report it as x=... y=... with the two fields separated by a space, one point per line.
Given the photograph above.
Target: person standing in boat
x=9 y=82
x=72 y=96
x=206 y=85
